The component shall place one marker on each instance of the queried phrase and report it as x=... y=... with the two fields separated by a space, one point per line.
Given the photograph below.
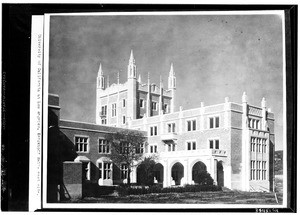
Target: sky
x=214 y=56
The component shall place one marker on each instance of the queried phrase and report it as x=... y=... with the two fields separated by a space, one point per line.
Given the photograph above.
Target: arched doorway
x=177 y=173
x=220 y=174
x=158 y=171
x=197 y=168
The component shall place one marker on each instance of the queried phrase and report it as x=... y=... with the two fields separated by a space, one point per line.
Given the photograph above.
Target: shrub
x=127 y=190
x=203 y=178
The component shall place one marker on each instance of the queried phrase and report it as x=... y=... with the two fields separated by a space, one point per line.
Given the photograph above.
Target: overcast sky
x=214 y=57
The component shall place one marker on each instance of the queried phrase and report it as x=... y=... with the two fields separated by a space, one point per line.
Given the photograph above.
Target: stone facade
x=237 y=152
x=233 y=142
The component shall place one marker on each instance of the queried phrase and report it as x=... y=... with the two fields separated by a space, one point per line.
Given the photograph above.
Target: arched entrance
x=177 y=173
x=197 y=168
x=220 y=174
x=158 y=171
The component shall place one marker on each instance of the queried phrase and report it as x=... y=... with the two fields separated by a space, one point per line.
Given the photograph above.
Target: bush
x=127 y=190
x=203 y=178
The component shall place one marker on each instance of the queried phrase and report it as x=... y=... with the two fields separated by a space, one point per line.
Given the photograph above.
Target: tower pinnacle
x=172 y=78
x=100 y=72
x=131 y=66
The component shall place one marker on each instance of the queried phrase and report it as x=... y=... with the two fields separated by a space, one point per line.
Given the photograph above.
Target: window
x=171 y=128
x=100 y=169
x=154 y=106
x=254 y=123
x=124 y=102
x=81 y=144
x=166 y=108
x=114 y=110
x=252 y=170
x=140 y=148
x=103 y=110
x=104 y=147
x=258 y=170
x=253 y=144
x=124 y=119
x=214 y=144
x=214 y=122
x=258 y=145
x=153 y=149
x=86 y=170
x=124 y=147
x=171 y=147
x=191 y=125
x=264 y=146
x=103 y=121
x=153 y=131
x=103 y=114
x=107 y=170
x=264 y=170
x=124 y=171
x=191 y=145
x=142 y=103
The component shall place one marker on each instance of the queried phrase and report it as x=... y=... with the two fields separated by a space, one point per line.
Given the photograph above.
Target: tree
x=127 y=147
x=146 y=171
x=203 y=178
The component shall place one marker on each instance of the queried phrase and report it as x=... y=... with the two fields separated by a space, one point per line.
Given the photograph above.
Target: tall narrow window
x=153 y=131
x=166 y=108
x=114 y=110
x=103 y=110
x=86 y=170
x=107 y=170
x=124 y=171
x=124 y=119
x=191 y=125
x=154 y=106
x=124 y=102
x=142 y=105
x=100 y=169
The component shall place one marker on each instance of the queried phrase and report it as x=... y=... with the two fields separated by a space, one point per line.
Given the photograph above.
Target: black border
x=16 y=41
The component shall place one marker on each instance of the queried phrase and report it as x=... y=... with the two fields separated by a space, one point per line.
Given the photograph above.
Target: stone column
x=166 y=169
x=185 y=172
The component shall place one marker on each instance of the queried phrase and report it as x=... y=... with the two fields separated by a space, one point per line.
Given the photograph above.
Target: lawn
x=217 y=197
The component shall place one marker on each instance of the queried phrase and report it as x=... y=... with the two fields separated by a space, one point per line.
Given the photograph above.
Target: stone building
x=233 y=142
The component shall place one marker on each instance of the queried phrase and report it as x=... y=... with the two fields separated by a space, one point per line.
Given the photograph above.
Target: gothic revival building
x=233 y=142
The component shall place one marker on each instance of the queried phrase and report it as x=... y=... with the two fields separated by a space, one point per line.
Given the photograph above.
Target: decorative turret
x=172 y=87
x=131 y=67
x=264 y=113
x=172 y=78
x=132 y=89
x=100 y=79
x=161 y=93
x=148 y=111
